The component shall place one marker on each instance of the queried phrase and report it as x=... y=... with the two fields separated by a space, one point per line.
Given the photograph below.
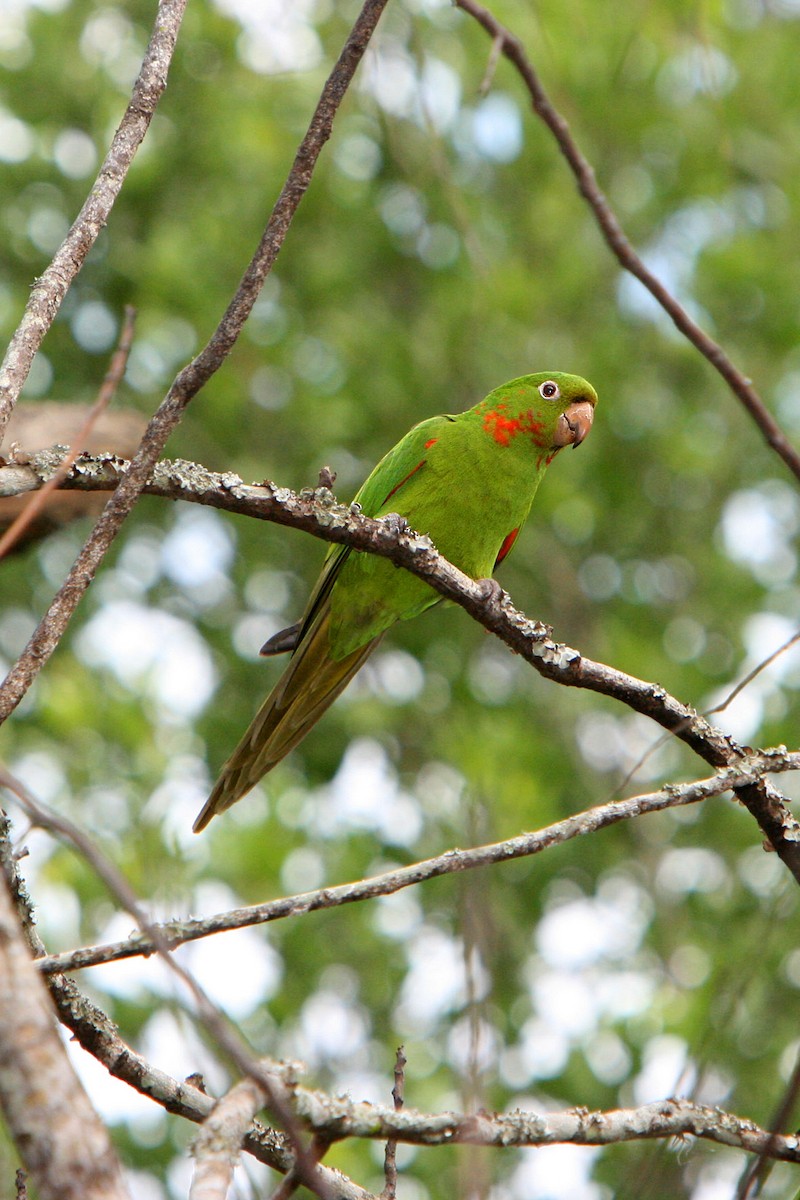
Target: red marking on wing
x=508 y=542
x=430 y=442
x=405 y=479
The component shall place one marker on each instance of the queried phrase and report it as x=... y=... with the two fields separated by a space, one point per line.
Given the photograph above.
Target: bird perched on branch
x=468 y=482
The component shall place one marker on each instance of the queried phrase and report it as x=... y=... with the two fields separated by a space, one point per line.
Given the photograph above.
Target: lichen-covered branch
x=98 y=1035
x=174 y=933
x=317 y=512
x=65 y=1146
x=341 y=1117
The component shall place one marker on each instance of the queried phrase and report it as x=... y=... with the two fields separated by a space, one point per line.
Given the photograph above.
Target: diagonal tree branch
x=99 y=1036
x=175 y=933
x=617 y=241
x=335 y=1118
x=189 y=381
x=209 y=1016
x=52 y=286
x=318 y=513
x=60 y=1138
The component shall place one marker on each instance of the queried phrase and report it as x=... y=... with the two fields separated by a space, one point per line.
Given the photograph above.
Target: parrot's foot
x=490 y=591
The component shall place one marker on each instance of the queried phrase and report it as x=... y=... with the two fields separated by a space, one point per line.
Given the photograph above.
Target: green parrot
x=467 y=481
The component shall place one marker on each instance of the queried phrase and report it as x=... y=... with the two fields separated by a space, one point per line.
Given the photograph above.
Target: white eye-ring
x=549 y=390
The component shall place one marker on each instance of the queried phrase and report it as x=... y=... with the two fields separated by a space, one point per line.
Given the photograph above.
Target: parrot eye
x=549 y=390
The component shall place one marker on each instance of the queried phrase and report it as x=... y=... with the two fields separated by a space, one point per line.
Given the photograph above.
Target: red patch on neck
x=503 y=428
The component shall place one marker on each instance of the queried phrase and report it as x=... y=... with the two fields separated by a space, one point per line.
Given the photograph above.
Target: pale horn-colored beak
x=574 y=424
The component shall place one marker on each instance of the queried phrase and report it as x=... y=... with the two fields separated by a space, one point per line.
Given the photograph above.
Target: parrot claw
x=490 y=591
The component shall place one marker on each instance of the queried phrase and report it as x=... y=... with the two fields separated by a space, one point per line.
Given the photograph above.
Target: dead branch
x=175 y=933
x=65 y=1146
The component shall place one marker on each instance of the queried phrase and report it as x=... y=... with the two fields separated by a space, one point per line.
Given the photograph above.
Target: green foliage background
x=442 y=249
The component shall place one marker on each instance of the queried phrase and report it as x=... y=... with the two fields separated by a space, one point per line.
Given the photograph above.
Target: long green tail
x=309 y=685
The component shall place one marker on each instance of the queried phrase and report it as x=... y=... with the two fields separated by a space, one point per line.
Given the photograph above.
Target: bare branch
x=218 y=1146
x=751 y=675
x=98 y=1035
x=63 y=1143
x=332 y=1119
x=189 y=381
x=174 y=933
x=390 y=1157
x=341 y=1118
x=618 y=242
x=209 y=1015
x=52 y=286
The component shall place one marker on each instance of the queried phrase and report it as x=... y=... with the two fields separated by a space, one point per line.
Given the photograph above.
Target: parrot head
x=550 y=408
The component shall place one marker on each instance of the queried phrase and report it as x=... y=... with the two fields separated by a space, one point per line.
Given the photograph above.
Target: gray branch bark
x=175 y=933
x=62 y=1141
x=52 y=286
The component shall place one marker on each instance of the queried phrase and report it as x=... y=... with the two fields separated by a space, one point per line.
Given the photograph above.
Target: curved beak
x=574 y=424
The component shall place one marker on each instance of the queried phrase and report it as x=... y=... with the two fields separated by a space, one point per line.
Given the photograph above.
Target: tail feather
x=308 y=686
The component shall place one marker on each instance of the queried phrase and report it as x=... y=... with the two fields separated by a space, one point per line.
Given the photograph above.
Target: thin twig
x=751 y=675
x=106 y=394
x=292 y=1180
x=390 y=1157
x=495 y=51
x=52 y=626
x=708 y=712
x=52 y=286
x=619 y=244
x=175 y=933
x=754 y=1178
